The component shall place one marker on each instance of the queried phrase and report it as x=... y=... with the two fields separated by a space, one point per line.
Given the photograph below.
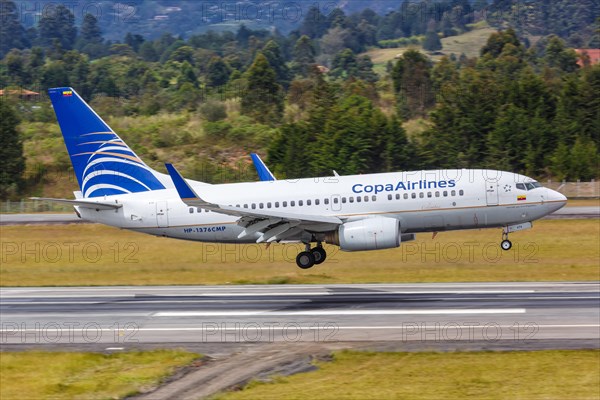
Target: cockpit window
x=533 y=185
x=528 y=185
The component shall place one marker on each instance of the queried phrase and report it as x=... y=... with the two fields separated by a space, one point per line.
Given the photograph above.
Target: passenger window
x=453 y=193
x=308 y=202
x=317 y=202
x=397 y=196
x=245 y=205
x=445 y=193
x=285 y=203
x=351 y=199
x=300 y=203
x=429 y=194
x=276 y=204
x=390 y=196
x=343 y=200
x=374 y=198
x=335 y=200
x=237 y=205
x=253 y=206
x=421 y=195
x=437 y=194
x=326 y=201
x=358 y=199
x=292 y=203
x=366 y=198
x=191 y=210
x=269 y=205
x=461 y=192
x=261 y=205
x=413 y=195
x=405 y=196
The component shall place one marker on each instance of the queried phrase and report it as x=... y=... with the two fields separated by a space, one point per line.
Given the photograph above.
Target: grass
x=61 y=375
x=531 y=375
x=91 y=254
x=469 y=43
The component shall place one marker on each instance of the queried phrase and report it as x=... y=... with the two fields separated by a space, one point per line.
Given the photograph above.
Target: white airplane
x=357 y=212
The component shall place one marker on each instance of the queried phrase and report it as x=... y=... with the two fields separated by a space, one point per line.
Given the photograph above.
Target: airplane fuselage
x=422 y=201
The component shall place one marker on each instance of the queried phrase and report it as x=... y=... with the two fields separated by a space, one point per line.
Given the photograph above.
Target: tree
x=12 y=33
x=432 y=41
x=90 y=31
x=263 y=98
x=412 y=84
x=304 y=56
x=344 y=64
x=12 y=161
x=315 y=24
x=273 y=54
x=496 y=42
x=218 y=72
x=59 y=25
x=559 y=56
x=134 y=41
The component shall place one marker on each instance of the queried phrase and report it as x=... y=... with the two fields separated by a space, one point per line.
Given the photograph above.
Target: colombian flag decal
x=67 y=93
x=521 y=198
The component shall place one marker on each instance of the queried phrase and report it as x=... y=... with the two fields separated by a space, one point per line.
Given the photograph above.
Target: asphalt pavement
x=121 y=317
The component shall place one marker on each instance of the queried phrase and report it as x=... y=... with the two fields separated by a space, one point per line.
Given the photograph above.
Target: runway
x=117 y=317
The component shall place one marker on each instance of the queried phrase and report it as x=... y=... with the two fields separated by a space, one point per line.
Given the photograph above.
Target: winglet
x=185 y=191
x=263 y=171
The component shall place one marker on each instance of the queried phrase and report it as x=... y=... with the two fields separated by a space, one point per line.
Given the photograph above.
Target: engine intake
x=367 y=234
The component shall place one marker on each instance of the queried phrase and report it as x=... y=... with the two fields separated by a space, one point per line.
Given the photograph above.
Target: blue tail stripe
x=123 y=182
x=86 y=135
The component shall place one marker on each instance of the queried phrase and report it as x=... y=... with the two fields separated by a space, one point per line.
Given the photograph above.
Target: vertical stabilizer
x=102 y=161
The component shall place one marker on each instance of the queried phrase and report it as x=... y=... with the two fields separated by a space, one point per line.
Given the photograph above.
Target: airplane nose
x=553 y=195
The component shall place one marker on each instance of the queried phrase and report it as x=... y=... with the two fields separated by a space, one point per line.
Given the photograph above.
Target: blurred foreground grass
x=549 y=374
x=87 y=254
x=68 y=375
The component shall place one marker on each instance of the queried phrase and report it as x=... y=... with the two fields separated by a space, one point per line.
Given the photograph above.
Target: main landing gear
x=505 y=244
x=308 y=258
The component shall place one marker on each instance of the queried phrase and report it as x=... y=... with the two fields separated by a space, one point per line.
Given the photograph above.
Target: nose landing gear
x=505 y=244
x=310 y=257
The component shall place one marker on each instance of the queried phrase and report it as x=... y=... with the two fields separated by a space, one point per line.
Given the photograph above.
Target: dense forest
x=523 y=105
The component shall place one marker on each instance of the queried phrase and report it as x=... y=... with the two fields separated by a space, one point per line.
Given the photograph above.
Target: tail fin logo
x=103 y=163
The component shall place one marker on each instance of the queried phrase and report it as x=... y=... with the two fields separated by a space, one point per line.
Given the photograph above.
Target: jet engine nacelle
x=367 y=234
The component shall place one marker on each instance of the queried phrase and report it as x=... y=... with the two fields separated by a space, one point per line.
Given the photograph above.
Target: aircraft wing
x=264 y=174
x=274 y=225
x=96 y=205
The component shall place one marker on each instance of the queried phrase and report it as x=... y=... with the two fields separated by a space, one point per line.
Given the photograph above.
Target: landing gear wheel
x=319 y=254
x=506 y=244
x=305 y=259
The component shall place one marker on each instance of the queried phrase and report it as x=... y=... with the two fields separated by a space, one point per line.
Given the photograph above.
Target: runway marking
x=114 y=348
x=338 y=312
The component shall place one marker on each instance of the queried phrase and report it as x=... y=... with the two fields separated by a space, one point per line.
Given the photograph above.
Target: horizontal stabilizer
x=95 y=205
